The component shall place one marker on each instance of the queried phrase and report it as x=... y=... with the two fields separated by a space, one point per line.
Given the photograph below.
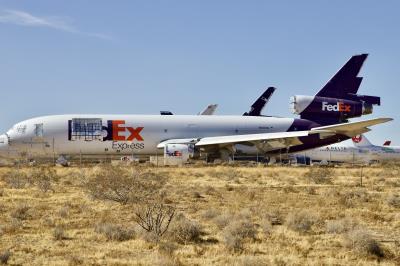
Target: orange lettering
x=134 y=133
x=116 y=129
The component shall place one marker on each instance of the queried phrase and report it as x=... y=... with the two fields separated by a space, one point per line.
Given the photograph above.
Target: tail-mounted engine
x=325 y=110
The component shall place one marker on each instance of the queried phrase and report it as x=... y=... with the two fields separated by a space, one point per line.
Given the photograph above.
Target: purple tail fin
x=260 y=103
x=338 y=100
x=346 y=80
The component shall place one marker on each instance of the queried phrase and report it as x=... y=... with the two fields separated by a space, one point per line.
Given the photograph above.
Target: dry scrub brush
x=361 y=241
x=184 y=230
x=301 y=221
x=115 y=232
x=124 y=185
x=15 y=178
x=5 y=256
x=320 y=175
x=154 y=218
x=43 y=178
x=237 y=232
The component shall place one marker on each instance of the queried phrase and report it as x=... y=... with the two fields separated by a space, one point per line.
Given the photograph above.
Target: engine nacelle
x=177 y=153
x=315 y=108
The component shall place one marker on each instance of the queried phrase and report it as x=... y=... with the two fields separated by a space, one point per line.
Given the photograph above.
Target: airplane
x=255 y=109
x=209 y=110
x=363 y=151
x=323 y=121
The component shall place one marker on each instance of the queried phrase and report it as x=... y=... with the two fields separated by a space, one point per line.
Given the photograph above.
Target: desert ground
x=200 y=215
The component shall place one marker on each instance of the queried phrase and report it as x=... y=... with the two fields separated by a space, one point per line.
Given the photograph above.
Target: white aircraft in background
x=363 y=151
x=323 y=121
x=209 y=110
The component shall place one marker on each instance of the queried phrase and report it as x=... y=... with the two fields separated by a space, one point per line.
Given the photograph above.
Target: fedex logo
x=118 y=131
x=339 y=107
x=93 y=129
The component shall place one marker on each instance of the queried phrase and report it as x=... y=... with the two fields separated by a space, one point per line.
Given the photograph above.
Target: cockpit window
x=87 y=129
x=21 y=129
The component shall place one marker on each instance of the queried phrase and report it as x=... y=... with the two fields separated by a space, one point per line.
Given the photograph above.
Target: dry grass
x=224 y=215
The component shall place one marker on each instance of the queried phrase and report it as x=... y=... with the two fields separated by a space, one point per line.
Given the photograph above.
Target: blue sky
x=139 y=57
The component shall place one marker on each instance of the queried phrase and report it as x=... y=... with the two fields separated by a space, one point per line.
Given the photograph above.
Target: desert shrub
x=167 y=248
x=5 y=256
x=59 y=233
x=15 y=178
x=223 y=220
x=349 y=198
x=248 y=260
x=242 y=228
x=154 y=217
x=275 y=217
x=233 y=243
x=123 y=186
x=115 y=232
x=362 y=242
x=394 y=200
x=320 y=175
x=340 y=226
x=196 y=195
x=21 y=212
x=311 y=190
x=266 y=227
x=63 y=212
x=209 y=214
x=43 y=178
x=75 y=260
x=232 y=174
x=184 y=230
x=237 y=232
x=301 y=221
x=13 y=226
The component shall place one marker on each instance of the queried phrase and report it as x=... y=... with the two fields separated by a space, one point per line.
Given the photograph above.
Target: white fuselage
x=126 y=134
x=348 y=154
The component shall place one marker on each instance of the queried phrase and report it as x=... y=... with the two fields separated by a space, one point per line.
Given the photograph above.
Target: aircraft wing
x=278 y=140
x=351 y=129
x=263 y=141
x=162 y=144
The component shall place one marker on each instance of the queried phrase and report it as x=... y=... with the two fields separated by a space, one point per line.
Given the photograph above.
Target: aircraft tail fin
x=387 y=143
x=361 y=141
x=338 y=100
x=260 y=103
x=210 y=110
x=346 y=80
